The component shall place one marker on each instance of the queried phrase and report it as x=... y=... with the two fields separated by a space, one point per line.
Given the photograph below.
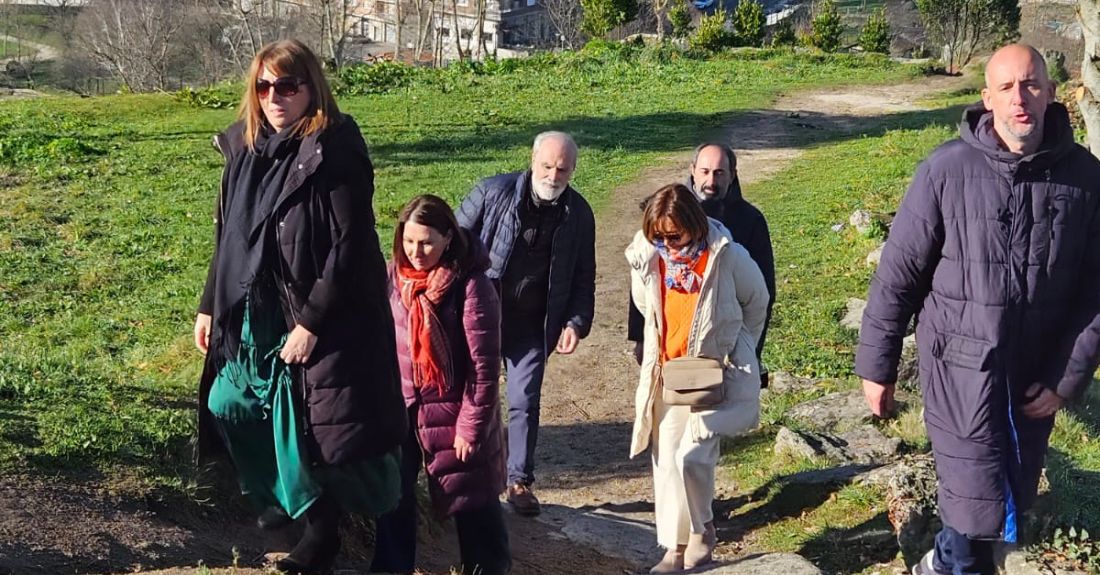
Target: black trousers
x=482 y=537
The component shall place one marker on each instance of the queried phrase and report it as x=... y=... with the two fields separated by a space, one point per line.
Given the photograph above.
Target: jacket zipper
x=293 y=315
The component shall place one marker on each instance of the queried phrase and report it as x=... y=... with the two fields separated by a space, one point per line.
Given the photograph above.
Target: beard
x=547 y=190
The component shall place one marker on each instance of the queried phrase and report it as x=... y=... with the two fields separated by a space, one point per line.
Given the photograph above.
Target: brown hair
x=679 y=205
x=288 y=58
x=432 y=211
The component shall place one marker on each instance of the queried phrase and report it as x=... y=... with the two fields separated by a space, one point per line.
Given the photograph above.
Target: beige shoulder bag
x=693 y=381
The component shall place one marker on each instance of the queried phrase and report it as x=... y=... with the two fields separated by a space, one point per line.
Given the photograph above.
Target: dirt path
x=590 y=489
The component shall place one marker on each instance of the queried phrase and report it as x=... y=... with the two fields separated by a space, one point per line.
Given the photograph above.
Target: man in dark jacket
x=714 y=180
x=541 y=237
x=996 y=248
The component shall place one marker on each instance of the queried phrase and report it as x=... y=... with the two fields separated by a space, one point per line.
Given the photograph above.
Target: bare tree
x=565 y=16
x=1088 y=96
x=335 y=20
x=423 y=23
x=133 y=39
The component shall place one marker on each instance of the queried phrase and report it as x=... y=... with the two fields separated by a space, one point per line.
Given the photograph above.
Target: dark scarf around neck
x=254 y=184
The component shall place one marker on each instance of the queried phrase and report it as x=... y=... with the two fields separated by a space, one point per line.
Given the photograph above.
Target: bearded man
x=541 y=237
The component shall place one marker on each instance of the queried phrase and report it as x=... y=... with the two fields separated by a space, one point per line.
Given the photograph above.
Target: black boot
x=273 y=518
x=316 y=553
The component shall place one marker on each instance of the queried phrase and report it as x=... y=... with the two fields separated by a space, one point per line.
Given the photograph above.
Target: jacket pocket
x=962 y=351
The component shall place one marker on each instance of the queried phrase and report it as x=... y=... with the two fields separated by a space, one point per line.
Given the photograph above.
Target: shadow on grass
x=663 y=132
x=869 y=543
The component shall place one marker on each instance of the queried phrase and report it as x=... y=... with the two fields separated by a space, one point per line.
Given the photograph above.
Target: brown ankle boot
x=672 y=562
x=700 y=547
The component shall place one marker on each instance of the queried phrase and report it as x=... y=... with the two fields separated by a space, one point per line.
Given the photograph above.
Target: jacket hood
x=976 y=129
x=641 y=254
x=731 y=196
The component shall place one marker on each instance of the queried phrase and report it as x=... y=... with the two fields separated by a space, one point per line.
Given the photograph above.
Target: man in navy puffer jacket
x=996 y=249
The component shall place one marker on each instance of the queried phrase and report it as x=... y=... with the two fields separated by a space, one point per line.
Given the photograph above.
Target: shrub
x=377 y=78
x=600 y=16
x=748 y=23
x=679 y=17
x=826 y=28
x=1056 y=64
x=783 y=34
x=215 y=97
x=875 y=36
x=711 y=35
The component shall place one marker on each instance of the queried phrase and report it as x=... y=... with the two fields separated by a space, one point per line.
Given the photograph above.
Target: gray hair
x=555 y=135
x=731 y=158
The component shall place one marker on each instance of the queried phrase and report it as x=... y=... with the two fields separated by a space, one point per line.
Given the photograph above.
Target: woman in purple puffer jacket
x=447 y=318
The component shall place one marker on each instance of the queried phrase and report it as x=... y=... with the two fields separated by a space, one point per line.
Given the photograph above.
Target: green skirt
x=253 y=404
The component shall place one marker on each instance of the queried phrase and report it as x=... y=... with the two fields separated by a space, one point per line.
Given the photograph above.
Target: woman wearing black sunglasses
x=704 y=301
x=300 y=381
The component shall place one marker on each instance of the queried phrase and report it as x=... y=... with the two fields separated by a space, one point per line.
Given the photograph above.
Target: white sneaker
x=924 y=566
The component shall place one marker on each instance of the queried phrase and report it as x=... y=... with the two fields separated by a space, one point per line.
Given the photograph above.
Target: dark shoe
x=273 y=518
x=316 y=553
x=523 y=500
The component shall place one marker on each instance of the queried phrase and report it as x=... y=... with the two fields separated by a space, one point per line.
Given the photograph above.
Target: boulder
x=765 y=564
x=783 y=382
x=853 y=315
x=911 y=506
x=908 y=368
x=838 y=411
x=865 y=445
x=862 y=220
x=875 y=256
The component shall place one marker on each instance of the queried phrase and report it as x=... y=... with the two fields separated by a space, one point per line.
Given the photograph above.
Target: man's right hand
x=202 y=332
x=639 y=349
x=880 y=398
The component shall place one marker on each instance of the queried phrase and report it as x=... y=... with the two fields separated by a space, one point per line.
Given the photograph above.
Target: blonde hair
x=288 y=58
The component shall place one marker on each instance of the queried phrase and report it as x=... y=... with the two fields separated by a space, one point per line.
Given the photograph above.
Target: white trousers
x=683 y=475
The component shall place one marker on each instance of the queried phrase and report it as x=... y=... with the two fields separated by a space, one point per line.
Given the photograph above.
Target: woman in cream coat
x=682 y=261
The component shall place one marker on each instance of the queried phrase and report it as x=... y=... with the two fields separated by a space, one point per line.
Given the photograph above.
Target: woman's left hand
x=463 y=449
x=299 y=345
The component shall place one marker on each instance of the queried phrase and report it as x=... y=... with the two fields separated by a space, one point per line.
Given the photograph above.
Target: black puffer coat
x=999 y=255
x=332 y=279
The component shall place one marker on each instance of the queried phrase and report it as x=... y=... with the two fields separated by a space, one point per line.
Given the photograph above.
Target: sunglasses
x=667 y=238
x=285 y=86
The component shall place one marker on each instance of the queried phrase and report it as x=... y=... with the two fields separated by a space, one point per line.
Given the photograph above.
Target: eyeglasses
x=285 y=86
x=667 y=238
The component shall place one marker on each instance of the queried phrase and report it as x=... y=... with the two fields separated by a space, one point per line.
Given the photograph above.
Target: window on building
x=487 y=38
x=465 y=34
x=445 y=32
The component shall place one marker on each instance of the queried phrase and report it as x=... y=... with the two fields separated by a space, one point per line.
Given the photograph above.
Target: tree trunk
x=1088 y=97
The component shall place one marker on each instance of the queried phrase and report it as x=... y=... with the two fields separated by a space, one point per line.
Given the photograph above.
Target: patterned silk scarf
x=421 y=292
x=680 y=265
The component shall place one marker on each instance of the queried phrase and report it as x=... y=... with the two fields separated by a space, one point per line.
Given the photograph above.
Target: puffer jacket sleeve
x=350 y=181
x=471 y=213
x=760 y=249
x=481 y=324
x=902 y=281
x=752 y=291
x=582 y=299
x=1070 y=376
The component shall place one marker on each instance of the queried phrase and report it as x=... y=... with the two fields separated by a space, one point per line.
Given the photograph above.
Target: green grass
x=105 y=227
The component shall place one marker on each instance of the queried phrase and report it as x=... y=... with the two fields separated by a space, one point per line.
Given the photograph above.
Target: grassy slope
x=105 y=229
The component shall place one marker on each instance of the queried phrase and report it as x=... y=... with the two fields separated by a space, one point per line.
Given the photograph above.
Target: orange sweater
x=679 y=311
